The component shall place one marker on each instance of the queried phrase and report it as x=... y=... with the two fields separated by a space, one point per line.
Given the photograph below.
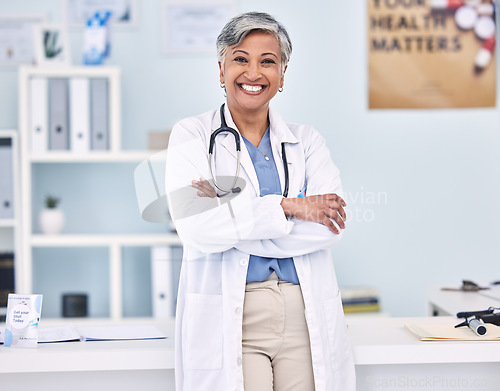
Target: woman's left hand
x=204 y=188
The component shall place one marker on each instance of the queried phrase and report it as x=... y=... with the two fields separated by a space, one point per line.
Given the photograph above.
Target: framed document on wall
x=193 y=27
x=123 y=12
x=16 y=39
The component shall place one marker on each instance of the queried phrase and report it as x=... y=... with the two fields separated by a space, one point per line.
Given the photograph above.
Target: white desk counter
x=446 y=303
x=387 y=357
x=92 y=365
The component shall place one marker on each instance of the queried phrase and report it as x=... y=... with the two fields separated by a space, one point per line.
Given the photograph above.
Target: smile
x=250 y=88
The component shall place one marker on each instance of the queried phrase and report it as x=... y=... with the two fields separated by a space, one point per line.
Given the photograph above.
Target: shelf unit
x=114 y=243
x=9 y=228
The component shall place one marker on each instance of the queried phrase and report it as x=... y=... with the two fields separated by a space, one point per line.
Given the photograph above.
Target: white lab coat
x=219 y=236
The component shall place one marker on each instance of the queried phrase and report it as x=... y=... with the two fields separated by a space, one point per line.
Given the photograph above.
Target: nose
x=253 y=71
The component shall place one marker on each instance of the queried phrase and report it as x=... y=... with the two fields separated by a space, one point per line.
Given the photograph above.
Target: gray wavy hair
x=235 y=31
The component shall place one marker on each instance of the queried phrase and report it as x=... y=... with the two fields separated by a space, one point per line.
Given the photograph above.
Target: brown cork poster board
x=431 y=54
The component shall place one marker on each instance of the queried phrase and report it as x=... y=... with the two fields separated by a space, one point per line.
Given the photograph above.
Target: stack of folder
x=69 y=114
x=360 y=300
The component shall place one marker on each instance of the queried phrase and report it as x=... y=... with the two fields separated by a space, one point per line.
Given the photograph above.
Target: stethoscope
x=225 y=128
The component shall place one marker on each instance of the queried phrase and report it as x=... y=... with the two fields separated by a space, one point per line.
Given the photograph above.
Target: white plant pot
x=51 y=221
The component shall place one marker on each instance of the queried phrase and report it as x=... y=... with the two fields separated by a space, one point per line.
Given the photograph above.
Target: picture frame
x=51 y=45
x=16 y=39
x=193 y=26
x=123 y=12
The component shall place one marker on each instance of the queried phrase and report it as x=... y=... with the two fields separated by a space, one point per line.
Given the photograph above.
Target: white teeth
x=248 y=88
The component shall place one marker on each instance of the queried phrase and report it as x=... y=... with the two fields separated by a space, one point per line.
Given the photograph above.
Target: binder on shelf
x=6 y=179
x=79 y=114
x=58 y=114
x=161 y=276
x=39 y=122
x=99 y=97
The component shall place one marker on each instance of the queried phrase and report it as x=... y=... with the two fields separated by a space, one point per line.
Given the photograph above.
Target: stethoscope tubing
x=225 y=128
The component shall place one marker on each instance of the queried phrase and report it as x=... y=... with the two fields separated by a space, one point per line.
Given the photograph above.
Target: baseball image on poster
x=431 y=54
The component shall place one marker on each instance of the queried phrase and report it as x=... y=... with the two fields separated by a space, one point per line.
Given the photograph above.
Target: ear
x=282 y=81
x=221 y=73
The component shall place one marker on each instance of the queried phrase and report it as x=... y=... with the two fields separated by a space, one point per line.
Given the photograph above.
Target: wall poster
x=431 y=54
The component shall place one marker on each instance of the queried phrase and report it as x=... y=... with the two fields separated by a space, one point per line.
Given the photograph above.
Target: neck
x=252 y=125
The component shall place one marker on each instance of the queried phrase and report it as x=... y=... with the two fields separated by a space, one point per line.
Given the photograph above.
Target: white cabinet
x=10 y=250
x=46 y=164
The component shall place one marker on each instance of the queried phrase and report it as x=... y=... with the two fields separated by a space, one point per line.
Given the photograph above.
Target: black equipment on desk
x=475 y=324
x=475 y=320
x=467 y=286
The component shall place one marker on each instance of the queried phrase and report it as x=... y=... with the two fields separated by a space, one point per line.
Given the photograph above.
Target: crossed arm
x=320 y=209
x=318 y=219
x=269 y=226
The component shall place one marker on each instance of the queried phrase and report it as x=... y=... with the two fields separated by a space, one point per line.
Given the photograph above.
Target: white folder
x=6 y=179
x=161 y=275
x=79 y=114
x=39 y=115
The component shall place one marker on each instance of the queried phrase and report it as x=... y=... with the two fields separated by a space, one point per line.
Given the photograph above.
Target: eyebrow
x=262 y=55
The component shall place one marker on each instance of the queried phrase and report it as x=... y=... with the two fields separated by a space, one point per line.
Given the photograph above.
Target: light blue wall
x=422 y=185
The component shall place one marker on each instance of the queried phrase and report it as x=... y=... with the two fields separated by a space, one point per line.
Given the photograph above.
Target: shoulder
x=307 y=135
x=301 y=133
x=198 y=126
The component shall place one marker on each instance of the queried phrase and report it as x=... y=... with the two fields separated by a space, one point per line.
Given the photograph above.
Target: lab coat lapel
x=280 y=133
x=229 y=144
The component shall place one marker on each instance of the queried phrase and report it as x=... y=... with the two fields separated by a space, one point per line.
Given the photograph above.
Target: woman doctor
x=258 y=306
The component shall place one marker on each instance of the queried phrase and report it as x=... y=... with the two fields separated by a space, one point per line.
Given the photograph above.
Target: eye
x=268 y=61
x=240 y=59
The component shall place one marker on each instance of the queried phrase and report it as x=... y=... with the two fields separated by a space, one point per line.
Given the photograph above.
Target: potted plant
x=51 y=219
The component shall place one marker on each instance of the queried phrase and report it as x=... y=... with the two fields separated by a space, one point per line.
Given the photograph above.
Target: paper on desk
x=116 y=333
x=432 y=332
x=105 y=333
x=58 y=334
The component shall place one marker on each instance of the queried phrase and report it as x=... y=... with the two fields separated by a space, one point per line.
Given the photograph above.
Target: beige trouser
x=276 y=350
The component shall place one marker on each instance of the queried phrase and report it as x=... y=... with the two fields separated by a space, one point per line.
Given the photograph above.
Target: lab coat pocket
x=203 y=322
x=340 y=350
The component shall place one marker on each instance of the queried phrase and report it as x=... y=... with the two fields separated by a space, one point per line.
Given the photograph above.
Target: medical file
x=433 y=332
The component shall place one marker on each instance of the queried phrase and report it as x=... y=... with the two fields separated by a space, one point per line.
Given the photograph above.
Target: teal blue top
x=260 y=268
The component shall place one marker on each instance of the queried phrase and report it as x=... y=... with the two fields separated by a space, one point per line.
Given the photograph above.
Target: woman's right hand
x=204 y=188
x=318 y=209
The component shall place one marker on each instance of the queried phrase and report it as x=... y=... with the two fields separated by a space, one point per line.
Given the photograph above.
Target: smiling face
x=252 y=73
